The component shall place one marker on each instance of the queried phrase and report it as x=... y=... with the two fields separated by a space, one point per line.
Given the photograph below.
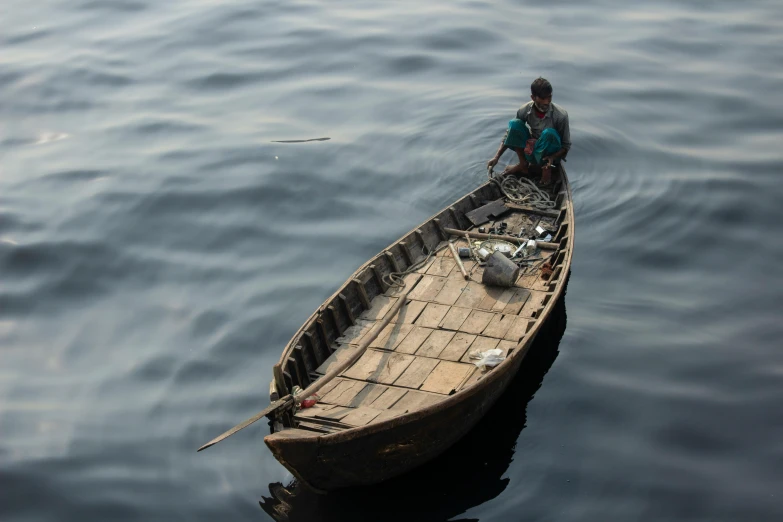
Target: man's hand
x=491 y=163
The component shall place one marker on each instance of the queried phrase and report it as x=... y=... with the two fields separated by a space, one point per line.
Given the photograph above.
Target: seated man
x=539 y=134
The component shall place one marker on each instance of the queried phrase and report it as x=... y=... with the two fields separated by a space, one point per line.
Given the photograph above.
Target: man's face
x=542 y=104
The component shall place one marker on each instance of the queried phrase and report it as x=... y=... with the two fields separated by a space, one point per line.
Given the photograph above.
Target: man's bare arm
x=494 y=161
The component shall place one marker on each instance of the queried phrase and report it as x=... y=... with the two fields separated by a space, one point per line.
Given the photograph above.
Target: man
x=539 y=134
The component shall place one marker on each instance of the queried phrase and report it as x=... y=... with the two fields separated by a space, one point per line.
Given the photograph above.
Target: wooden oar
x=458 y=260
x=288 y=400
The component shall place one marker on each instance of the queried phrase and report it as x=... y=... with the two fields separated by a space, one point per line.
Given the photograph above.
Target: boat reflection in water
x=466 y=475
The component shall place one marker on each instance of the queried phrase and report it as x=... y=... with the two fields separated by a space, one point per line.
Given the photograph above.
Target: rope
x=523 y=191
x=395 y=279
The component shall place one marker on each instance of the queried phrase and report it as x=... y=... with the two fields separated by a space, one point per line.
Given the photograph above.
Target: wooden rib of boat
x=415 y=390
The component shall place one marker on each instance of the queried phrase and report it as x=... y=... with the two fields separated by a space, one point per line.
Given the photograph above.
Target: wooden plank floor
x=424 y=354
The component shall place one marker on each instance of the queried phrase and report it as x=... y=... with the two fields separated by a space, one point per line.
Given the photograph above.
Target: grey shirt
x=556 y=117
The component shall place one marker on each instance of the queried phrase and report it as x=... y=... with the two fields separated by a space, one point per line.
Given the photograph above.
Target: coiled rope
x=522 y=191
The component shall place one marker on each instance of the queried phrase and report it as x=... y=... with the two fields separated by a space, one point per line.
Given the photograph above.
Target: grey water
x=167 y=223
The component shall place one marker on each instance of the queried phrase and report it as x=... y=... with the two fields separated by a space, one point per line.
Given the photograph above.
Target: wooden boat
x=415 y=390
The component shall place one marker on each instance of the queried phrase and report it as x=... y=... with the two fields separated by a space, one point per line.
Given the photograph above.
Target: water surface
x=159 y=245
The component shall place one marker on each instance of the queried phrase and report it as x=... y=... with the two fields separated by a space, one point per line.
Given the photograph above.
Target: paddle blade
x=278 y=404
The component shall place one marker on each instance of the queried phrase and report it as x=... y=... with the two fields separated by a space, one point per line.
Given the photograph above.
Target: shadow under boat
x=466 y=475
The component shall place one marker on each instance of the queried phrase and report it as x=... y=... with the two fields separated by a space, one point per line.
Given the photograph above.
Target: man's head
x=541 y=93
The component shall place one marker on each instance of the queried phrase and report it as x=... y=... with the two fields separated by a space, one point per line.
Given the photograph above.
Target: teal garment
x=547 y=144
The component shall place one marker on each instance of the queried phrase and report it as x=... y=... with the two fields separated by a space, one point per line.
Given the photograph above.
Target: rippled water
x=159 y=246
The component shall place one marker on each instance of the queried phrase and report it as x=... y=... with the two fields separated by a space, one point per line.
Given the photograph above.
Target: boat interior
x=425 y=354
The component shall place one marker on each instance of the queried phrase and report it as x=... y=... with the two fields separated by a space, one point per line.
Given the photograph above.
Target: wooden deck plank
x=379 y=367
x=517 y=301
x=457 y=347
x=493 y=294
x=413 y=340
x=481 y=344
x=476 y=322
x=368 y=394
x=344 y=393
x=415 y=374
x=445 y=377
x=533 y=304
x=388 y=398
x=415 y=400
x=335 y=414
x=503 y=300
x=499 y=326
x=391 y=336
x=378 y=308
x=472 y=295
x=506 y=346
x=472 y=379
x=426 y=266
x=454 y=318
x=442 y=266
x=354 y=333
x=517 y=330
x=361 y=416
x=409 y=313
x=428 y=288
x=435 y=343
x=451 y=291
x=432 y=315
x=339 y=356
x=386 y=415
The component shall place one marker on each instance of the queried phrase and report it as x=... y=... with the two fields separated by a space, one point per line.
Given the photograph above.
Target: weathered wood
x=450 y=292
x=344 y=393
x=432 y=315
x=388 y=398
x=441 y=231
x=476 y=322
x=531 y=210
x=347 y=308
x=457 y=347
x=365 y=299
x=454 y=318
x=379 y=278
x=406 y=252
x=420 y=236
x=415 y=400
x=435 y=343
x=277 y=372
x=446 y=377
x=335 y=319
x=454 y=216
x=415 y=374
x=393 y=261
x=441 y=266
x=317 y=385
x=379 y=307
x=458 y=261
x=379 y=366
x=361 y=416
x=487 y=212
x=413 y=340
